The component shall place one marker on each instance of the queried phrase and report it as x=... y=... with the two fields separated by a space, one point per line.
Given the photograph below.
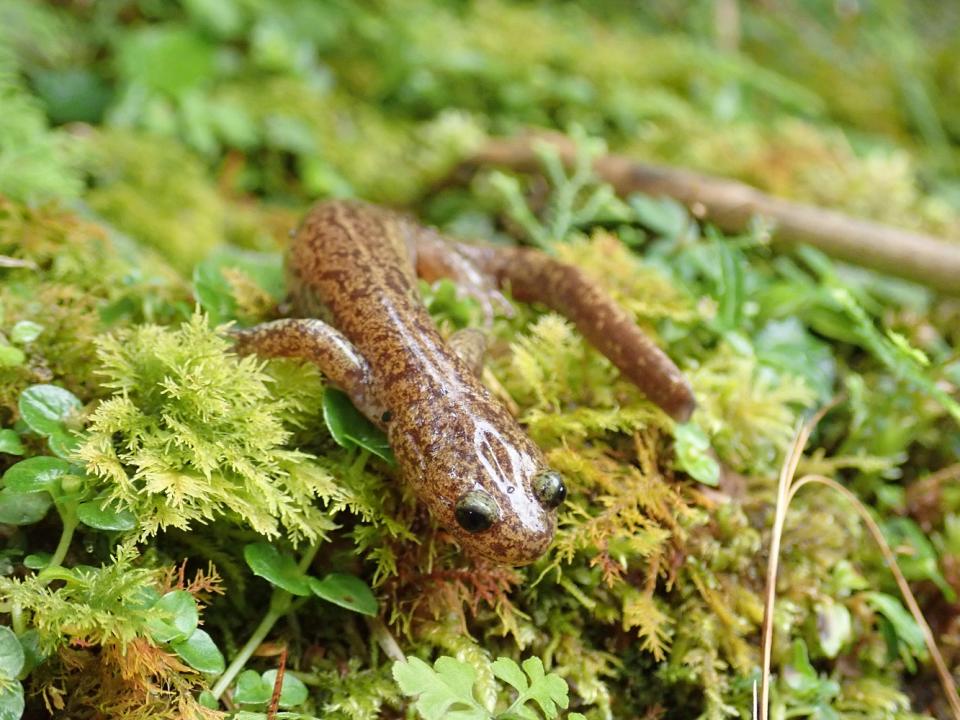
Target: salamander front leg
x=322 y=345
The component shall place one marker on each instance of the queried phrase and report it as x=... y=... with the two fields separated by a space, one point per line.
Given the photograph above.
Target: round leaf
x=36 y=474
x=37 y=561
x=23 y=508
x=207 y=699
x=45 y=407
x=174 y=617
x=10 y=442
x=11 y=702
x=63 y=443
x=94 y=515
x=346 y=591
x=11 y=356
x=11 y=654
x=25 y=332
x=251 y=689
x=278 y=569
x=292 y=693
x=200 y=652
x=32 y=654
x=693 y=454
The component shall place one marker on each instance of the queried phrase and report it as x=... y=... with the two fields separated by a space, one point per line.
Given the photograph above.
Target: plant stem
x=70 y=522
x=66 y=537
x=279 y=604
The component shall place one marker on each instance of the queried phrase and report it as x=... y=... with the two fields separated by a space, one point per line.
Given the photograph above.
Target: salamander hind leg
x=319 y=343
x=470 y=345
x=437 y=258
x=533 y=276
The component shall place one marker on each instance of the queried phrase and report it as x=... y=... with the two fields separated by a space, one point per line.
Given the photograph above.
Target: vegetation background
x=168 y=507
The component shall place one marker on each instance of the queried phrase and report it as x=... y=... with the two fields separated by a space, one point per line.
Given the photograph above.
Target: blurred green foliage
x=154 y=156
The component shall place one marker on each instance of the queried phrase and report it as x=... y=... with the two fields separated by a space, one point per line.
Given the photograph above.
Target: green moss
x=192 y=433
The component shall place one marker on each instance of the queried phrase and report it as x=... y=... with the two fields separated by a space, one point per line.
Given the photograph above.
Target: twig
x=731 y=205
x=277 y=687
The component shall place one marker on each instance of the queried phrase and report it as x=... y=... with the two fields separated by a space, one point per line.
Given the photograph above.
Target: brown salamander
x=466 y=457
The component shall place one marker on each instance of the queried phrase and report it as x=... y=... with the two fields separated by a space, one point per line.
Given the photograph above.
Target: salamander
x=352 y=273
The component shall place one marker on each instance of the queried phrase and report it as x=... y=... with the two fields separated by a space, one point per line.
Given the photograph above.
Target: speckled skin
x=449 y=434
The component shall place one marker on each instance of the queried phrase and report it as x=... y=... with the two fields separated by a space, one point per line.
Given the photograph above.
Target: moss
x=192 y=432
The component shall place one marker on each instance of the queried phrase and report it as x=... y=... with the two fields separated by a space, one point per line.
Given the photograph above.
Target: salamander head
x=486 y=482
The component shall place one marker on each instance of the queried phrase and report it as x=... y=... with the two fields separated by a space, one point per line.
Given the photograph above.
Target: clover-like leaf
x=45 y=408
x=200 y=652
x=276 y=568
x=346 y=591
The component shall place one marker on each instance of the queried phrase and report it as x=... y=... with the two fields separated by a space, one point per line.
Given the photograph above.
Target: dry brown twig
x=731 y=205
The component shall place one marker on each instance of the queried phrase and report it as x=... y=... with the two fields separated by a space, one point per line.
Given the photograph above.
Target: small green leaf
x=37 y=561
x=906 y=628
x=215 y=294
x=23 y=508
x=32 y=653
x=45 y=408
x=174 y=617
x=10 y=442
x=11 y=701
x=350 y=428
x=166 y=58
x=915 y=554
x=292 y=693
x=276 y=568
x=25 y=332
x=95 y=515
x=37 y=474
x=11 y=653
x=207 y=700
x=200 y=652
x=346 y=591
x=833 y=627
x=63 y=443
x=251 y=689
x=11 y=356
x=692 y=449
x=664 y=216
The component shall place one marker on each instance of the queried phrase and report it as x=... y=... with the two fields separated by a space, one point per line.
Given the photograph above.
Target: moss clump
x=193 y=432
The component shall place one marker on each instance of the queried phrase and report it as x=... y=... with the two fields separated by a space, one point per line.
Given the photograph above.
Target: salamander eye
x=476 y=511
x=549 y=488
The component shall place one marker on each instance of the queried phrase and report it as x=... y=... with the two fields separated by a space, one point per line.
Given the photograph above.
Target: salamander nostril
x=550 y=489
x=476 y=511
